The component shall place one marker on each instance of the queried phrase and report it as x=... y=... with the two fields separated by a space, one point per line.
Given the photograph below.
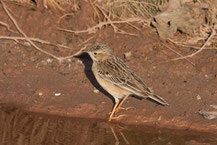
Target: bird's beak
x=80 y=52
x=85 y=50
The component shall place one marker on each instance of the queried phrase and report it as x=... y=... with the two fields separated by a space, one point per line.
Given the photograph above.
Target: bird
x=117 y=78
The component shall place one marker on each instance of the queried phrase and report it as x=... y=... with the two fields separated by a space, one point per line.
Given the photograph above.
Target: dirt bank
x=39 y=83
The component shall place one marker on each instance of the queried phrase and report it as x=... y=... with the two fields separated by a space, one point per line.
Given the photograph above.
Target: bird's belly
x=112 y=89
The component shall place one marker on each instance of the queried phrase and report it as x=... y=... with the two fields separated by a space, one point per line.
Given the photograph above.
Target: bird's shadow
x=87 y=61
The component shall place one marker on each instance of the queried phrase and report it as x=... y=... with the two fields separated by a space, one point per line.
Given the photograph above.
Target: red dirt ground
x=30 y=79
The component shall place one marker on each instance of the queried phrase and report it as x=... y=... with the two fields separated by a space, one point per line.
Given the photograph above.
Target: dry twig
x=53 y=4
x=26 y=37
x=178 y=54
x=33 y=39
x=100 y=25
x=85 y=41
x=201 y=49
x=60 y=59
x=6 y=25
x=94 y=8
x=189 y=46
x=64 y=15
x=116 y=29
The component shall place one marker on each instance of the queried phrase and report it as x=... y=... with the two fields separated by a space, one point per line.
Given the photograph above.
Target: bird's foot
x=122 y=108
x=115 y=118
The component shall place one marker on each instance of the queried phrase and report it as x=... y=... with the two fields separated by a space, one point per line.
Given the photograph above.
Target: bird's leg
x=113 y=111
x=119 y=106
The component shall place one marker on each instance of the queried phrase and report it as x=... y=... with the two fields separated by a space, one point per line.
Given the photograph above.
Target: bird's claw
x=122 y=108
x=116 y=117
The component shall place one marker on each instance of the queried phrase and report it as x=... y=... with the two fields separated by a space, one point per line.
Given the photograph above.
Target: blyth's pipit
x=117 y=78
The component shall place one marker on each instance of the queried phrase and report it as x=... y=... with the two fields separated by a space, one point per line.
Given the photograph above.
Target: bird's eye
x=95 y=53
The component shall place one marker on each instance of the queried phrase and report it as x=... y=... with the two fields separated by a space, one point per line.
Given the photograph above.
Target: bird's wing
x=118 y=73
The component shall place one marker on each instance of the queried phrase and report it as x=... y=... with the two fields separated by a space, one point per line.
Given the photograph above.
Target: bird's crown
x=101 y=47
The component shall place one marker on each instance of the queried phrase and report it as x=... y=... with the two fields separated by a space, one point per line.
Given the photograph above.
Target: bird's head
x=99 y=52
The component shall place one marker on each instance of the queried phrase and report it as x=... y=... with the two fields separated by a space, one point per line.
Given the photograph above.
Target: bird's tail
x=158 y=99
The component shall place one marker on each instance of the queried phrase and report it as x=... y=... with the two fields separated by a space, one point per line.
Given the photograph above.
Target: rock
x=180 y=15
x=198 y=97
x=127 y=55
x=49 y=60
x=57 y=94
x=208 y=114
x=40 y=93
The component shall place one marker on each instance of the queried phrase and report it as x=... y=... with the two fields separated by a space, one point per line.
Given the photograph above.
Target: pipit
x=117 y=78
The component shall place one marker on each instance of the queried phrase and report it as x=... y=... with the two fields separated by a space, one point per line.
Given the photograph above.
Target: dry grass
x=133 y=8
x=52 y=4
x=131 y=12
x=56 y=4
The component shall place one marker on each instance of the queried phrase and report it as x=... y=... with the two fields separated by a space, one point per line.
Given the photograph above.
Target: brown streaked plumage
x=117 y=78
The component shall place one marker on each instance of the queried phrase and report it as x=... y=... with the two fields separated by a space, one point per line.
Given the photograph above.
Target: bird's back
x=118 y=73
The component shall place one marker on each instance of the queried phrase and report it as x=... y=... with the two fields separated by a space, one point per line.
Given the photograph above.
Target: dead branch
x=33 y=39
x=75 y=54
x=116 y=29
x=201 y=49
x=7 y=26
x=85 y=41
x=189 y=46
x=53 y=4
x=178 y=53
x=60 y=59
x=94 y=8
x=67 y=14
x=26 y=37
x=45 y=42
x=100 y=25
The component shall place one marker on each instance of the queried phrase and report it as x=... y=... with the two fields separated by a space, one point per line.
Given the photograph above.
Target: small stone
x=198 y=97
x=49 y=60
x=32 y=58
x=208 y=115
x=40 y=93
x=57 y=94
x=127 y=55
